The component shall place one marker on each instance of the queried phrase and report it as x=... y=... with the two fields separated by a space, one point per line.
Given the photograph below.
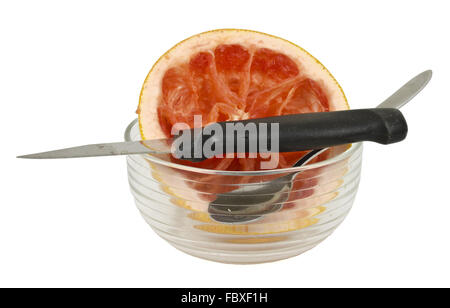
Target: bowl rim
x=354 y=147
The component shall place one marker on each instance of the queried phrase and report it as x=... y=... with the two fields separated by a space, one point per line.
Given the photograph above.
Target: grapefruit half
x=232 y=74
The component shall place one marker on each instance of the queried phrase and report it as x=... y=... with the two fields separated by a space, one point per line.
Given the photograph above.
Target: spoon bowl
x=251 y=202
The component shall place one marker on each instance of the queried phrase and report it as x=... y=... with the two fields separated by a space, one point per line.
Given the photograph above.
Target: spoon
x=251 y=202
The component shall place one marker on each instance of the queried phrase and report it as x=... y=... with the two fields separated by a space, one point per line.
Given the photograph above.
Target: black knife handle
x=307 y=131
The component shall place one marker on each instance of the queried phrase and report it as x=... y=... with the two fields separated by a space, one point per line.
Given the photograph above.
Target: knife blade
x=155 y=146
x=163 y=146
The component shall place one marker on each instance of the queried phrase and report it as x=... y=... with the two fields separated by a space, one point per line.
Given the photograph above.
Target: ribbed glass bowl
x=174 y=199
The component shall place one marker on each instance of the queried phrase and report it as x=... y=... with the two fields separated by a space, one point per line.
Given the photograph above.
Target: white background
x=71 y=72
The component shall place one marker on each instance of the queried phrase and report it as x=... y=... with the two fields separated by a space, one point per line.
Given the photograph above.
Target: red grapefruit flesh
x=233 y=82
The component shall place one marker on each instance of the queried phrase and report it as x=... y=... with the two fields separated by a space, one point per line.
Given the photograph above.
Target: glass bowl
x=173 y=199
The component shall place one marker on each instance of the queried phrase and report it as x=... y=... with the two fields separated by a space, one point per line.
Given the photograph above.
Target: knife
x=297 y=132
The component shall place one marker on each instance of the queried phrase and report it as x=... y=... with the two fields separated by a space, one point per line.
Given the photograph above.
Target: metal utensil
x=251 y=202
x=155 y=146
